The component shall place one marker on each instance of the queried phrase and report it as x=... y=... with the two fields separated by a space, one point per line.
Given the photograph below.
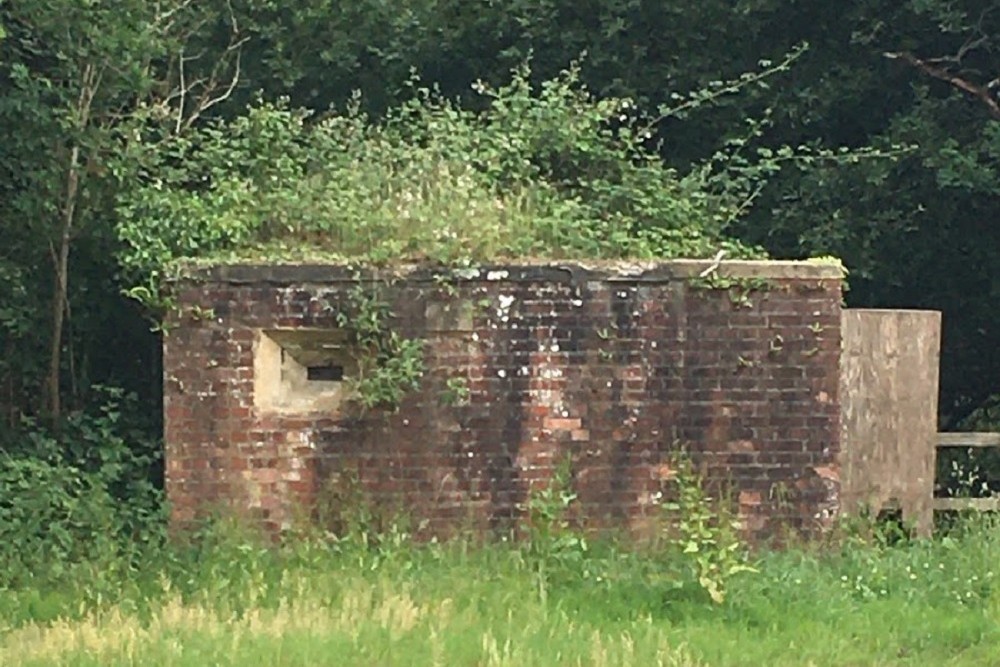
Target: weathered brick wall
x=617 y=366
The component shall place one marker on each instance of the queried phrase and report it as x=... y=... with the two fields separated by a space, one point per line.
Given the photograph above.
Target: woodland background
x=97 y=96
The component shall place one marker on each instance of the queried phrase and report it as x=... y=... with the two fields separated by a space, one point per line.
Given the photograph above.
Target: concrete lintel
x=547 y=272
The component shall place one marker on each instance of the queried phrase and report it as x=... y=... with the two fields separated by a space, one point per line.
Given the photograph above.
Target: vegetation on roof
x=545 y=171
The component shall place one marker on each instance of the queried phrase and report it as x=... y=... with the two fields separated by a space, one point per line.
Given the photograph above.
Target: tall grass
x=227 y=600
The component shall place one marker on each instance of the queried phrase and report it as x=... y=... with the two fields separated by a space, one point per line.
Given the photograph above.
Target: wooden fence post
x=889 y=401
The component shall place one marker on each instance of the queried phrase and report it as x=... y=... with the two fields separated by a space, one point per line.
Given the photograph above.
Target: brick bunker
x=615 y=365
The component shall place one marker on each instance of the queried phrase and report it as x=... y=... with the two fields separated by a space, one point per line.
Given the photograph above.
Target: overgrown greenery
x=104 y=102
x=141 y=135
x=546 y=171
x=226 y=599
x=389 y=365
x=83 y=499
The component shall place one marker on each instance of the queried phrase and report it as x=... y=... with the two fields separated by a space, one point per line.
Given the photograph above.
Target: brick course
x=615 y=365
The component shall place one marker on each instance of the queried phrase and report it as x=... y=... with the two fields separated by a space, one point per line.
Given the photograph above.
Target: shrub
x=547 y=171
x=51 y=516
x=83 y=495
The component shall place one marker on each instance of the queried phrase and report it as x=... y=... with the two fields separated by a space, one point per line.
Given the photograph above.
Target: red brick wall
x=617 y=367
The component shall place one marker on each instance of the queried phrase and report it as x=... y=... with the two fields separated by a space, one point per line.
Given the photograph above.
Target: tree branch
x=983 y=93
x=210 y=86
x=206 y=101
x=182 y=93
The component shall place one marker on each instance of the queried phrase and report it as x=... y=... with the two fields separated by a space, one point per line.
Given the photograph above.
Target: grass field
x=228 y=602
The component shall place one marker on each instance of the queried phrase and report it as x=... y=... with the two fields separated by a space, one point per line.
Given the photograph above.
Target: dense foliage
x=546 y=172
x=139 y=133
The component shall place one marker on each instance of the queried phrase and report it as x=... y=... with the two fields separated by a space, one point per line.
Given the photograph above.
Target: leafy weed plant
x=706 y=532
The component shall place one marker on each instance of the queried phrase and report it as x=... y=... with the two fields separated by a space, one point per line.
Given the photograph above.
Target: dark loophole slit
x=330 y=373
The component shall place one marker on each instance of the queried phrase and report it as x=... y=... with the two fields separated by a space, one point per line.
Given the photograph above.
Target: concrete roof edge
x=548 y=271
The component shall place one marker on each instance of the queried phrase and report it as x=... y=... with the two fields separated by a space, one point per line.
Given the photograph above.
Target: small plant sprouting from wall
x=389 y=365
x=740 y=290
x=456 y=391
x=708 y=534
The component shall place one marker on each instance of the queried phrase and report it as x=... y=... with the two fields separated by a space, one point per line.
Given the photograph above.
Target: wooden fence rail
x=969 y=440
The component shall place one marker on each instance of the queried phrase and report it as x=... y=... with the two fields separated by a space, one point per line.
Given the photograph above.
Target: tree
x=914 y=233
x=78 y=78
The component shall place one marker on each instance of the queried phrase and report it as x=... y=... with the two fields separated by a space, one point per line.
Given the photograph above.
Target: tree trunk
x=61 y=261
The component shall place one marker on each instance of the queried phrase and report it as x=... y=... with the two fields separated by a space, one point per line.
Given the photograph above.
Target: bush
x=51 y=516
x=84 y=495
x=549 y=172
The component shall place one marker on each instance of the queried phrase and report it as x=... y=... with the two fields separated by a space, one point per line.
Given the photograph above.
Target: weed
x=456 y=391
x=389 y=365
x=552 y=542
x=708 y=534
